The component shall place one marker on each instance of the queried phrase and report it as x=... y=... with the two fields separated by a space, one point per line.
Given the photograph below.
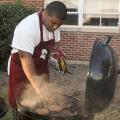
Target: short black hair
x=58 y=9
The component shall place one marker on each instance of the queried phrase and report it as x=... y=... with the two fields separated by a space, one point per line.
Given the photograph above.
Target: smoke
x=59 y=100
x=52 y=95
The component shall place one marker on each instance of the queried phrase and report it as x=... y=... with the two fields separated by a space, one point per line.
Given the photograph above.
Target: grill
x=73 y=109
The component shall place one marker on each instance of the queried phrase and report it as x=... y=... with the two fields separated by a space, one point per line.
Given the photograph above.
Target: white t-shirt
x=27 y=35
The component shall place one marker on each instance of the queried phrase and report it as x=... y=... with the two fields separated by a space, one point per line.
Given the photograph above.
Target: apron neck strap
x=41 y=25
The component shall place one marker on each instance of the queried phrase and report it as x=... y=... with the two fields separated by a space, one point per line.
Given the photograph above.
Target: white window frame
x=79 y=12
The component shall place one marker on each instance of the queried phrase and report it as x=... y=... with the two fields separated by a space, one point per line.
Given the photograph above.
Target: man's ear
x=46 y=13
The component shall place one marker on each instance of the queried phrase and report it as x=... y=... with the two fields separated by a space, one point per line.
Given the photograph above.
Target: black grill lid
x=101 y=77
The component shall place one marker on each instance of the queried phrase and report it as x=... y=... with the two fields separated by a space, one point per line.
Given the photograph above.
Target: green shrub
x=10 y=16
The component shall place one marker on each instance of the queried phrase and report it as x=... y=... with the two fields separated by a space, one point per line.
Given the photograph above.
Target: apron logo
x=43 y=54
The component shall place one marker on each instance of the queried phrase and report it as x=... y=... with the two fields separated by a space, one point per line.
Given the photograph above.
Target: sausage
x=42 y=111
x=28 y=103
x=55 y=108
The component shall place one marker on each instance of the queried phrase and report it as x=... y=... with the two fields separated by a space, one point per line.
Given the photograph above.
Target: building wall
x=35 y=3
x=77 y=45
x=39 y=4
x=7 y=1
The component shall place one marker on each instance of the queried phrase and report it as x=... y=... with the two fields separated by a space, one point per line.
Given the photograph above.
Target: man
x=33 y=39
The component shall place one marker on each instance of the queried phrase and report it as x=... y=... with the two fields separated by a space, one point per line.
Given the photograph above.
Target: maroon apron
x=17 y=78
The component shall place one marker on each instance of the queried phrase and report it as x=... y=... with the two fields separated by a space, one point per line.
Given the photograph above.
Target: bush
x=10 y=16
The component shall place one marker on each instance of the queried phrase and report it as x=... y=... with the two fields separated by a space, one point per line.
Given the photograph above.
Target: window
x=72 y=8
x=103 y=12
x=100 y=13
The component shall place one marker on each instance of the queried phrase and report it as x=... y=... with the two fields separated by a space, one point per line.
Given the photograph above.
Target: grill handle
x=106 y=40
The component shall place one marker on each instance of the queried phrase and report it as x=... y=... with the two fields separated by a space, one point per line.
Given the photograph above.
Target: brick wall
x=38 y=4
x=4 y=1
x=77 y=45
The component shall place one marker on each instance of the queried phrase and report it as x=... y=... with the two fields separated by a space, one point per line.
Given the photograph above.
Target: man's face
x=52 y=22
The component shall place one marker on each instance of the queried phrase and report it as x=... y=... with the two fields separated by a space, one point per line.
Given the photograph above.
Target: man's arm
x=29 y=69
